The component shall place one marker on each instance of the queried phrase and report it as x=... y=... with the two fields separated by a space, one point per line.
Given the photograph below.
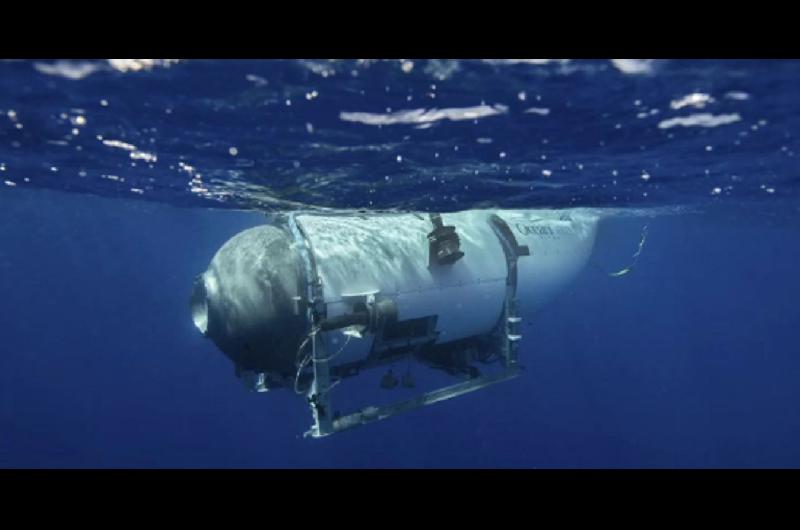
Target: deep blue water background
x=691 y=360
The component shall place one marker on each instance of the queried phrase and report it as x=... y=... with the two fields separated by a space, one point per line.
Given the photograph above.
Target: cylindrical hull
x=388 y=255
x=311 y=299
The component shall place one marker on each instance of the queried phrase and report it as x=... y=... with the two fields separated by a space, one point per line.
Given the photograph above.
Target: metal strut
x=510 y=320
x=370 y=414
x=318 y=393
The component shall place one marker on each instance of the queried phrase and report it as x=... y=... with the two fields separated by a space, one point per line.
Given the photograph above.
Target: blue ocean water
x=120 y=179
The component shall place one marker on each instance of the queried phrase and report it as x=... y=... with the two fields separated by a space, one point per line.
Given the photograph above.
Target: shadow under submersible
x=309 y=300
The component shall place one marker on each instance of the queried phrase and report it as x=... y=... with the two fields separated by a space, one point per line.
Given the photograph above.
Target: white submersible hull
x=309 y=299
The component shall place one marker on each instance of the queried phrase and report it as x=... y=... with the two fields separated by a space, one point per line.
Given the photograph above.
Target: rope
x=310 y=356
x=630 y=267
x=302 y=364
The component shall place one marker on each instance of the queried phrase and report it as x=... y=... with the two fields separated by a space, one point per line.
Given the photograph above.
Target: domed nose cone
x=244 y=302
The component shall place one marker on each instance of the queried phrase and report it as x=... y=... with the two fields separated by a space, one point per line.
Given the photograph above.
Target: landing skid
x=371 y=414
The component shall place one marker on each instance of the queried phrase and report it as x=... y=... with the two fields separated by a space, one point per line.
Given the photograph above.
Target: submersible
x=308 y=300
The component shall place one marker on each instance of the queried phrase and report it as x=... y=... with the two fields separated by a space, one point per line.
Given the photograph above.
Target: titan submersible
x=310 y=299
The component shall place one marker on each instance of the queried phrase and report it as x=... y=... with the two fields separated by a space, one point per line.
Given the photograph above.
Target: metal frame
x=318 y=394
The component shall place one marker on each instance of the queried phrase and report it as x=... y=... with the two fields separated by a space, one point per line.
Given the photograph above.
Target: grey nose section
x=246 y=301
